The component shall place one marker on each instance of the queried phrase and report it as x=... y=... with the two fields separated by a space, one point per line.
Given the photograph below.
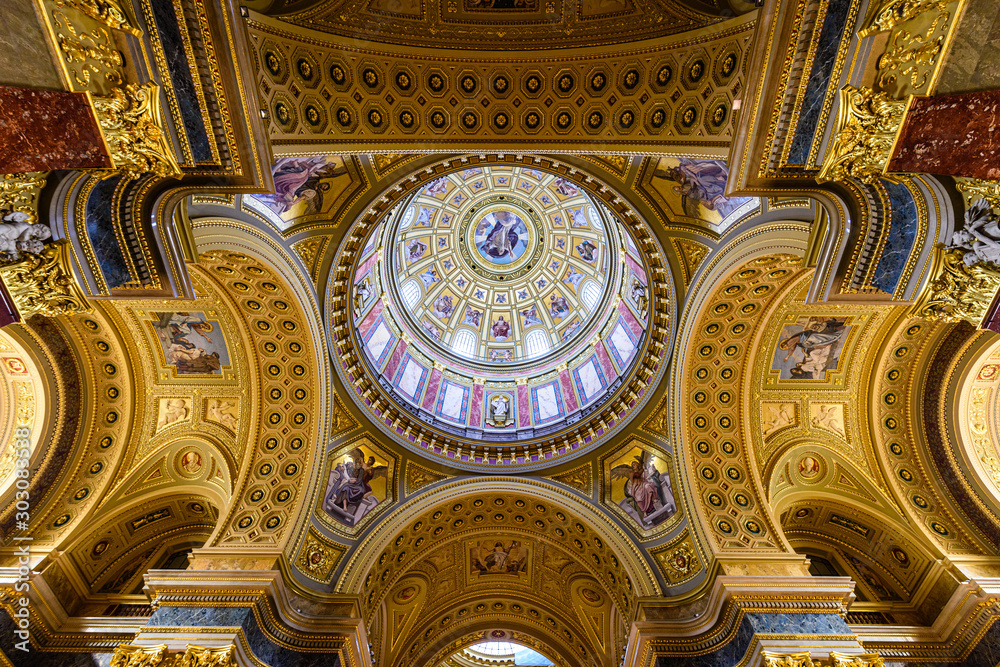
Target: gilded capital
x=958 y=291
x=128 y=655
x=867 y=125
x=199 y=656
x=865 y=660
x=131 y=124
x=43 y=283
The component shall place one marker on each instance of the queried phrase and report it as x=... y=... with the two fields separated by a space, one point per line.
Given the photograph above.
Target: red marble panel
x=606 y=363
x=476 y=411
x=569 y=396
x=432 y=390
x=42 y=130
x=954 y=135
x=371 y=318
x=397 y=356
x=523 y=407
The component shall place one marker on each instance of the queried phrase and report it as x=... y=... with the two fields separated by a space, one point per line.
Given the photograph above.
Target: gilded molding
x=130 y=121
x=128 y=655
x=867 y=123
x=199 y=656
x=19 y=194
x=957 y=291
x=866 y=660
x=975 y=189
x=43 y=284
x=771 y=659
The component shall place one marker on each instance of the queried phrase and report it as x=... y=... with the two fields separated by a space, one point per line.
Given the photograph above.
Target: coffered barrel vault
x=454 y=333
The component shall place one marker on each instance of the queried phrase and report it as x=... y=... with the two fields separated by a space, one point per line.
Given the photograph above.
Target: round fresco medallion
x=900 y=556
x=501 y=237
x=809 y=467
x=590 y=595
x=190 y=462
x=406 y=594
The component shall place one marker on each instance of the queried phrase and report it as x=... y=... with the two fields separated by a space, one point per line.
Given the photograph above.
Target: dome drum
x=503 y=308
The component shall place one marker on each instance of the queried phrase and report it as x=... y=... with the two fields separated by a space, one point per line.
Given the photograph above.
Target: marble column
x=951 y=135
x=43 y=130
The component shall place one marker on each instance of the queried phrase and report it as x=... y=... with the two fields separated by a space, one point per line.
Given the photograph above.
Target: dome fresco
x=500 y=303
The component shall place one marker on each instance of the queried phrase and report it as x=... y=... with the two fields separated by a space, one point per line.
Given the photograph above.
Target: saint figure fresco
x=810 y=347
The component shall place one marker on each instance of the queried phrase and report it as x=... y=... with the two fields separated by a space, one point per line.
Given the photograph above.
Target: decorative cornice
x=957 y=291
x=130 y=121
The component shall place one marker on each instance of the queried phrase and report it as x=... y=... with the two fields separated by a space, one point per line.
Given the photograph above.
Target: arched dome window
x=590 y=295
x=410 y=291
x=537 y=343
x=464 y=343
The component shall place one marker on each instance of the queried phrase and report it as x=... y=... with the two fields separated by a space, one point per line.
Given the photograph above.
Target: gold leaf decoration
x=691 y=254
x=200 y=656
x=318 y=556
x=958 y=291
x=19 y=194
x=580 y=479
x=417 y=477
x=127 y=655
x=130 y=121
x=43 y=283
x=867 y=125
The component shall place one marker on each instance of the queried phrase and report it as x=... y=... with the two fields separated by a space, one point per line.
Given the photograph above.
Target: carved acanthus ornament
x=867 y=126
x=790 y=660
x=43 y=284
x=866 y=660
x=19 y=194
x=130 y=121
x=128 y=655
x=197 y=656
x=958 y=291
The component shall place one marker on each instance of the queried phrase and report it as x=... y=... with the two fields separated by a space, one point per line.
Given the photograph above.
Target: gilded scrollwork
x=199 y=656
x=865 y=660
x=867 y=125
x=912 y=56
x=127 y=655
x=893 y=12
x=108 y=12
x=959 y=291
x=90 y=56
x=19 y=195
x=789 y=660
x=130 y=121
x=978 y=189
x=43 y=283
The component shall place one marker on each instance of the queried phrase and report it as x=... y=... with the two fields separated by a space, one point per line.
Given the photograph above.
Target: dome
x=498 y=304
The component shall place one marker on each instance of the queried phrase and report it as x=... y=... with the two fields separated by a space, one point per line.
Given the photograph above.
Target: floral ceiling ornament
x=868 y=123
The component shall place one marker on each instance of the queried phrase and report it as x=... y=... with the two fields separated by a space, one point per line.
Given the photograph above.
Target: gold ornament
x=108 y=12
x=19 y=193
x=866 y=660
x=199 y=656
x=43 y=284
x=127 y=655
x=789 y=660
x=130 y=121
x=893 y=12
x=975 y=189
x=958 y=291
x=868 y=123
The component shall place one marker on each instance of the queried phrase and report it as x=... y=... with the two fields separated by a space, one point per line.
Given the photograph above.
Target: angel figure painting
x=695 y=188
x=498 y=556
x=305 y=185
x=357 y=484
x=809 y=348
x=192 y=343
x=640 y=485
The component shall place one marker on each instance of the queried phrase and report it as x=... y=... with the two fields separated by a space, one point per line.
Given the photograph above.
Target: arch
x=464 y=342
x=410 y=291
x=536 y=342
x=590 y=294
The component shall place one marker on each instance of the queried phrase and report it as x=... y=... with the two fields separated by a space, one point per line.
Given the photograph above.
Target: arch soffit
x=784 y=241
x=223 y=235
x=364 y=559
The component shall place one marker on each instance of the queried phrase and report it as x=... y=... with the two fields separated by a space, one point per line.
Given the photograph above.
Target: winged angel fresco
x=301 y=180
x=649 y=498
x=349 y=493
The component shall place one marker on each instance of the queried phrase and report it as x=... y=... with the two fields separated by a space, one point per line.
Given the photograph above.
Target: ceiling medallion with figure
x=502 y=238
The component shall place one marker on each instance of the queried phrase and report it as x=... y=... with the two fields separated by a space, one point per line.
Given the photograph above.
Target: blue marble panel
x=101 y=232
x=197 y=617
x=834 y=24
x=732 y=652
x=180 y=76
x=903 y=223
x=37 y=658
